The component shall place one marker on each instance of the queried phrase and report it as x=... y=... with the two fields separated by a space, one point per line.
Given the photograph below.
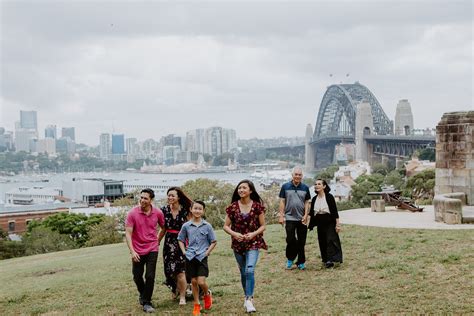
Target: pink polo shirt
x=145 y=229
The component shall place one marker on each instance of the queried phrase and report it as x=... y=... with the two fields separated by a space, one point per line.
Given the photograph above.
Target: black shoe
x=329 y=264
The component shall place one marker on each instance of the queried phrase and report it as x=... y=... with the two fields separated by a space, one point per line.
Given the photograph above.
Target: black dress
x=173 y=258
x=328 y=238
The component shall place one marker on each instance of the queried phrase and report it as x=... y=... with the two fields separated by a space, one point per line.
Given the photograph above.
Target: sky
x=151 y=68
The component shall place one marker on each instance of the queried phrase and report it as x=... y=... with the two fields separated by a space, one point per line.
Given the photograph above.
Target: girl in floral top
x=245 y=222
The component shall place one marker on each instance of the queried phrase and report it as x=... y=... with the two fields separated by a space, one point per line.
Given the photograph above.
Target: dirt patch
x=47 y=272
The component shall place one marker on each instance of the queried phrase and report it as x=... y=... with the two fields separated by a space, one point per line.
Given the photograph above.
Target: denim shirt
x=199 y=236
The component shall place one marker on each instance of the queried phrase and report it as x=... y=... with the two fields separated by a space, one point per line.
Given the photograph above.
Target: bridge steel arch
x=337 y=117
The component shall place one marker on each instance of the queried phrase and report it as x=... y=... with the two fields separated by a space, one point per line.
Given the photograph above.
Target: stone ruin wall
x=455 y=154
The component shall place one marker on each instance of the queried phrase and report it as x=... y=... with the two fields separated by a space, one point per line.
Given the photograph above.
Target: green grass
x=385 y=271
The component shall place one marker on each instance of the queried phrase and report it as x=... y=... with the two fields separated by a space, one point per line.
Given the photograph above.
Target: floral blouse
x=246 y=223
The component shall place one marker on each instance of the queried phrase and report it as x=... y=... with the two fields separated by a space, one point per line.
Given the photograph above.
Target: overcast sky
x=151 y=68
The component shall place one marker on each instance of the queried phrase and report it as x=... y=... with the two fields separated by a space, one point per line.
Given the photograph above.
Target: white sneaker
x=249 y=306
x=182 y=301
x=189 y=291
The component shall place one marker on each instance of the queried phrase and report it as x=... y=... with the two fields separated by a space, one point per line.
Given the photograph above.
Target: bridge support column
x=309 y=150
x=364 y=125
x=385 y=160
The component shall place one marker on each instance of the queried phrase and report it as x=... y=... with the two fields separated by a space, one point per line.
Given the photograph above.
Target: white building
x=93 y=191
x=105 y=146
x=35 y=195
x=47 y=145
x=213 y=141
x=23 y=138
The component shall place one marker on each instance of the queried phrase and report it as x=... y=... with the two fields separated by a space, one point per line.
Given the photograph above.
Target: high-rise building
x=170 y=154
x=171 y=140
x=195 y=140
x=65 y=145
x=213 y=145
x=50 y=132
x=229 y=140
x=47 y=145
x=23 y=138
x=105 y=146
x=28 y=120
x=118 y=144
x=69 y=132
x=213 y=141
x=131 y=146
x=6 y=140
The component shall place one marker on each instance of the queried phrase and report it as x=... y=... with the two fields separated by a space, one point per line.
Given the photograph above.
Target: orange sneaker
x=197 y=309
x=208 y=300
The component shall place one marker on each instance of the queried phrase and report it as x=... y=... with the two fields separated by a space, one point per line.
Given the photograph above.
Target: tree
x=365 y=184
x=103 y=233
x=421 y=185
x=44 y=239
x=11 y=249
x=216 y=194
x=394 y=178
x=427 y=154
x=74 y=225
x=271 y=200
x=3 y=234
x=381 y=169
x=328 y=173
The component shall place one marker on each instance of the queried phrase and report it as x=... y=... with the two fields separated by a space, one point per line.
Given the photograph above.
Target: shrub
x=103 y=233
x=11 y=249
x=42 y=240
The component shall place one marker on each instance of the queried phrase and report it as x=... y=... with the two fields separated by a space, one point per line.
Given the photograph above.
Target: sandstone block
x=377 y=205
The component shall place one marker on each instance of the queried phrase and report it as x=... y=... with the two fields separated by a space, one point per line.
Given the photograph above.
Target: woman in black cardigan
x=324 y=215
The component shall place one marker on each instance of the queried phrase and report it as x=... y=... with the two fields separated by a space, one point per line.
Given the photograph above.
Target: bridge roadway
x=386 y=145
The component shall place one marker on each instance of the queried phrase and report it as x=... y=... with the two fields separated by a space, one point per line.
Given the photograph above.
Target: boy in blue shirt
x=201 y=241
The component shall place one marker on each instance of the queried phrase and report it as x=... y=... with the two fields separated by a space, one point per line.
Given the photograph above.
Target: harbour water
x=55 y=180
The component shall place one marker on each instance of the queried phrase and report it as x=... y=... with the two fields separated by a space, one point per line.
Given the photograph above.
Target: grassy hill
x=385 y=270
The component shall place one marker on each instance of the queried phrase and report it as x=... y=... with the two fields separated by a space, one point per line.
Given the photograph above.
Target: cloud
x=258 y=67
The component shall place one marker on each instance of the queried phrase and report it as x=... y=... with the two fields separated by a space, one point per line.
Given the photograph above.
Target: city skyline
x=258 y=68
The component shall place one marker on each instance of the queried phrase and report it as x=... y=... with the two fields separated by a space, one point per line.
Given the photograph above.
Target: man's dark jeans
x=145 y=287
x=295 y=241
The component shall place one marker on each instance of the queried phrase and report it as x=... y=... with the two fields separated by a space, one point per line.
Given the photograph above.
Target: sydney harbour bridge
x=351 y=114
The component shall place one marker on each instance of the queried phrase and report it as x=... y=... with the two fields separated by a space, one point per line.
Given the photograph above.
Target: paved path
x=400 y=218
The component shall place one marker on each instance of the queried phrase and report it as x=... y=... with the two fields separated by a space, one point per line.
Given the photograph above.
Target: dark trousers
x=328 y=239
x=145 y=287
x=295 y=240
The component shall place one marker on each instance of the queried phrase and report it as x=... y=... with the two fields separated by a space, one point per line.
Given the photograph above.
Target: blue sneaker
x=301 y=266
x=289 y=263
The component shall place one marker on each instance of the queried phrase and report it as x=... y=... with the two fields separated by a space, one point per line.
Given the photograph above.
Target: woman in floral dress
x=245 y=222
x=176 y=214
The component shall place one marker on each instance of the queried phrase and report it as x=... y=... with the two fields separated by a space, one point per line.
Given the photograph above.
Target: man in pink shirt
x=141 y=232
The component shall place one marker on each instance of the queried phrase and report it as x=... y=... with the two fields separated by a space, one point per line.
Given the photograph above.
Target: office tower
x=65 y=145
x=131 y=146
x=68 y=132
x=6 y=140
x=28 y=120
x=118 y=144
x=229 y=140
x=23 y=138
x=105 y=146
x=50 y=132
x=195 y=140
x=213 y=141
